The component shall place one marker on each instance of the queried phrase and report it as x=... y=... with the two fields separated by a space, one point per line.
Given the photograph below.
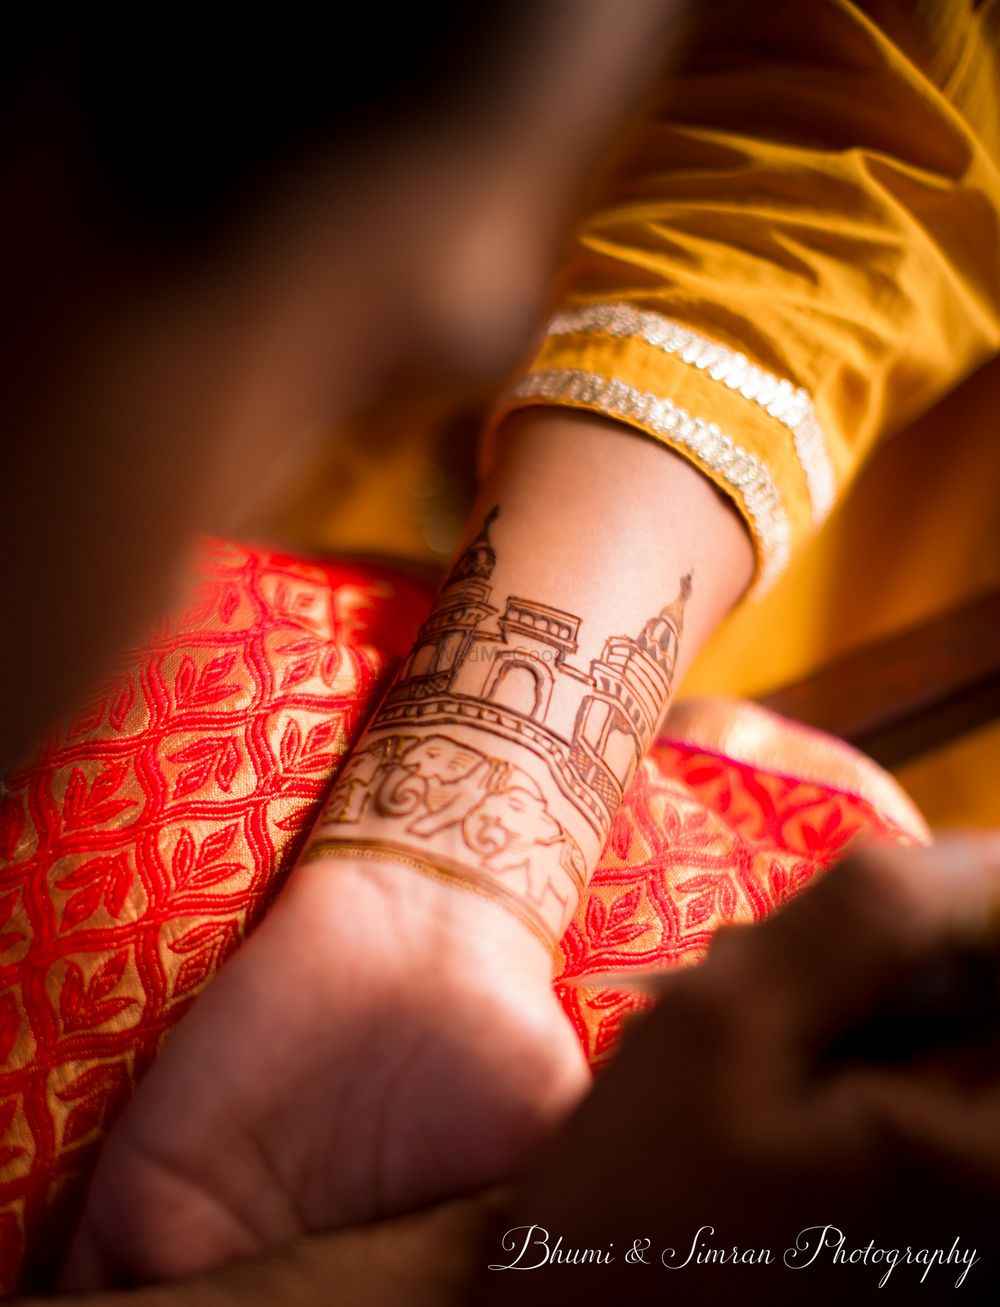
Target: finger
x=937 y=1117
x=867 y=926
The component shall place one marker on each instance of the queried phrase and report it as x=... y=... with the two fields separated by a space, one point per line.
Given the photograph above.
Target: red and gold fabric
x=144 y=841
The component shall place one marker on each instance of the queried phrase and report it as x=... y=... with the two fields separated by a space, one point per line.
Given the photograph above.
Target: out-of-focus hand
x=421 y=1260
x=838 y=1064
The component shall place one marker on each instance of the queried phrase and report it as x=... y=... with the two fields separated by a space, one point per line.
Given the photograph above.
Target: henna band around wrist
x=441 y=869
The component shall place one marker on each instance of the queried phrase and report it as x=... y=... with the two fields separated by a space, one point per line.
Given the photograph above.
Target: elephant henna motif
x=435 y=783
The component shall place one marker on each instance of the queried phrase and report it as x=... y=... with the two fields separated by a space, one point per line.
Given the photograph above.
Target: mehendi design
x=475 y=672
x=432 y=783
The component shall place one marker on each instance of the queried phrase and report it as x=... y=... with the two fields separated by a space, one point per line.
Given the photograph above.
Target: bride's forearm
x=595 y=564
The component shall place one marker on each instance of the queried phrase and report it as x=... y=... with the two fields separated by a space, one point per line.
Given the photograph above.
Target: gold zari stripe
x=779 y=398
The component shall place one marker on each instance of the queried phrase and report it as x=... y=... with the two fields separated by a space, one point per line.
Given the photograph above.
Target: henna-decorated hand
x=385 y=1039
x=380 y=1042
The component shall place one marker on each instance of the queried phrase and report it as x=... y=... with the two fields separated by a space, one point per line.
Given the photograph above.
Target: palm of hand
x=361 y=1056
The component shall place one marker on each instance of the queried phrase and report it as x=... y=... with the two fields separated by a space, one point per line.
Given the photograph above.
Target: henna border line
x=439 y=869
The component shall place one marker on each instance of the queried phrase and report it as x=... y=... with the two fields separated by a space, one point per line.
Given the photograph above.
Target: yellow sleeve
x=798 y=253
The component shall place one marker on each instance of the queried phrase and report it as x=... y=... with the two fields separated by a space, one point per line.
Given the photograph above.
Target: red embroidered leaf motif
x=11 y=937
x=198 y=936
x=87 y=872
x=709 y=889
x=7 y=1112
x=785 y=884
x=79 y=1007
x=826 y=839
x=7 y=907
x=291 y=744
x=321 y=736
x=11 y=826
x=727 y=897
x=299 y=671
x=697 y=883
x=194 y=971
x=97 y=879
x=211 y=753
x=71 y=996
x=97 y=1013
x=701 y=775
x=8 y=1153
x=596 y=917
x=117 y=884
x=83 y=1119
x=229 y=761
x=107 y=975
x=183 y=859
x=229 y=603
x=219 y=667
x=197 y=750
x=106 y=782
x=606 y=999
x=82 y=905
x=184 y=681
x=699 y=910
x=92 y=808
x=213 y=875
x=95 y=1078
x=330 y=664
x=216 y=844
x=122 y=705
x=621 y=835
x=207 y=946
x=76 y=793
x=305 y=644
x=614 y=926
x=299 y=819
x=209 y=690
x=10 y=1026
x=624 y=906
x=192 y=778
x=320 y=762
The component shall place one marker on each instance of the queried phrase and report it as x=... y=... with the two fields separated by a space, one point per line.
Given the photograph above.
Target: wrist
x=469 y=808
x=406 y=924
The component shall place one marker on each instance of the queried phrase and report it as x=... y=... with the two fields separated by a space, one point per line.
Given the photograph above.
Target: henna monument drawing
x=426 y=784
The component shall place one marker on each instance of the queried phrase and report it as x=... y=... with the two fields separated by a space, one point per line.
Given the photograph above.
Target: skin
x=416 y=1048
x=737 y=1120
x=746 y=1118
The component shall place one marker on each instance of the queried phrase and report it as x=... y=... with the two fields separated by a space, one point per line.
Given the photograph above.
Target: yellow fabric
x=958 y=784
x=816 y=189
